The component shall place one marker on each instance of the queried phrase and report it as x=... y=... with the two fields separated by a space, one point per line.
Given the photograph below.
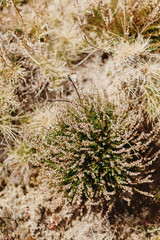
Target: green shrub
x=99 y=156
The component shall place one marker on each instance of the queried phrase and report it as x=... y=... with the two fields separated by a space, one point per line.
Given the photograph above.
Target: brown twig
x=91 y=43
x=59 y=100
x=43 y=87
x=2 y=56
x=69 y=78
x=84 y=59
x=18 y=13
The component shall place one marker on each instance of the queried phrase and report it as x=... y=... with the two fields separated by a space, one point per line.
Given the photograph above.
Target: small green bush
x=99 y=156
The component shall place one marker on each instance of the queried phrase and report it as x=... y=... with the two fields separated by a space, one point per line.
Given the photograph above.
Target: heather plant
x=97 y=155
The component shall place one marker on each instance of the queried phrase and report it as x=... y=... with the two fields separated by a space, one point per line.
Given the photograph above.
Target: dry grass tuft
x=8 y=117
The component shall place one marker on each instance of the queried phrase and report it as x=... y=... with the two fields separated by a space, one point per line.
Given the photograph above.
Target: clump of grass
x=42 y=118
x=20 y=151
x=130 y=51
x=137 y=82
x=98 y=156
x=46 y=35
x=141 y=85
x=11 y=116
x=8 y=107
x=150 y=89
